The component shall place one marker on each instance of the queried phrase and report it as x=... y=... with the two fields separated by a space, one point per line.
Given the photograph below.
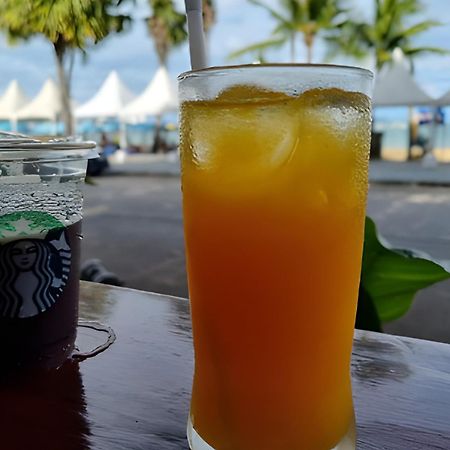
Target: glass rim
x=219 y=70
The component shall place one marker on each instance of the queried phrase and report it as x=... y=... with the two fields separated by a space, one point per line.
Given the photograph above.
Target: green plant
x=293 y=18
x=390 y=28
x=166 y=26
x=390 y=278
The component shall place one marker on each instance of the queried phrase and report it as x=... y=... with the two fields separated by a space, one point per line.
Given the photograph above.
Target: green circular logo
x=35 y=263
x=27 y=223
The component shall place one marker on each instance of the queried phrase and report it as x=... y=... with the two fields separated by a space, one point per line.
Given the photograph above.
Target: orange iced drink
x=274 y=193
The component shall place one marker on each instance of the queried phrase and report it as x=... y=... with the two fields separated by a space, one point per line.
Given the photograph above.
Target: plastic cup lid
x=14 y=146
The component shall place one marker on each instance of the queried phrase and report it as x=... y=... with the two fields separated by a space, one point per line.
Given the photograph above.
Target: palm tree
x=307 y=18
x=209 y=19
x=167 y=27
x=209 y=14
x=391 y=28
x=68 y=25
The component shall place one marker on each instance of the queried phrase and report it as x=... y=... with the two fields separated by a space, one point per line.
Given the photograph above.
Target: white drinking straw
x=197 y=48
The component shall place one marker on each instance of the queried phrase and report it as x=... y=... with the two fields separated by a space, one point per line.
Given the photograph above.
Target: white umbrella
x=11 y=102
x=444 y=100
x=45 y=106
x=159 y=97
x=108 y=101
x=395 y=86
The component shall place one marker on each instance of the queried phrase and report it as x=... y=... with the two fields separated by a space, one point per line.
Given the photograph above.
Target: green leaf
x=420 y=28
x=392 y=277
x=419 y=50
x=367 y=315
x=258 y=47
x=394 y=24
x=68 y=24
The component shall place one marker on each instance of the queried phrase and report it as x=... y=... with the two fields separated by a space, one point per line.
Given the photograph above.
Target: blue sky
x=239 y=23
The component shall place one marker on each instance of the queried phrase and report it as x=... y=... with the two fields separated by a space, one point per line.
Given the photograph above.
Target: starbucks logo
x=35 y=261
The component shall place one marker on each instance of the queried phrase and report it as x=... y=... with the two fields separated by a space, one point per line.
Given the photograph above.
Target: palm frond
x=68 y=23
x=167 y=27
x=258 y=47
x=420 y=28
x=389 y=30
x=419 y=50
x=273 y=12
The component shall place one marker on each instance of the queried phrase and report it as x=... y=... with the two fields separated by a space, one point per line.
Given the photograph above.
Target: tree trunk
x=158 y=141
x=412 y=132
x=209 y=18
x=60 y=53
x=158 y=146
x=207 y=47
x=309 y=54
x=309 y=42
x=293 y=52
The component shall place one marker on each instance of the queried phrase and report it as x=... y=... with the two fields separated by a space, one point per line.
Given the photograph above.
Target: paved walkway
x=388 y=172
x=411 y=172
x=144 y=164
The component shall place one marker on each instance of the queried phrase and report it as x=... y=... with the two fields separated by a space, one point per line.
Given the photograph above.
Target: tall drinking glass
x=274 y=178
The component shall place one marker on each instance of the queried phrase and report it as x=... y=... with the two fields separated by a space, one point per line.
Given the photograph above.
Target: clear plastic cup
x=40 y=233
